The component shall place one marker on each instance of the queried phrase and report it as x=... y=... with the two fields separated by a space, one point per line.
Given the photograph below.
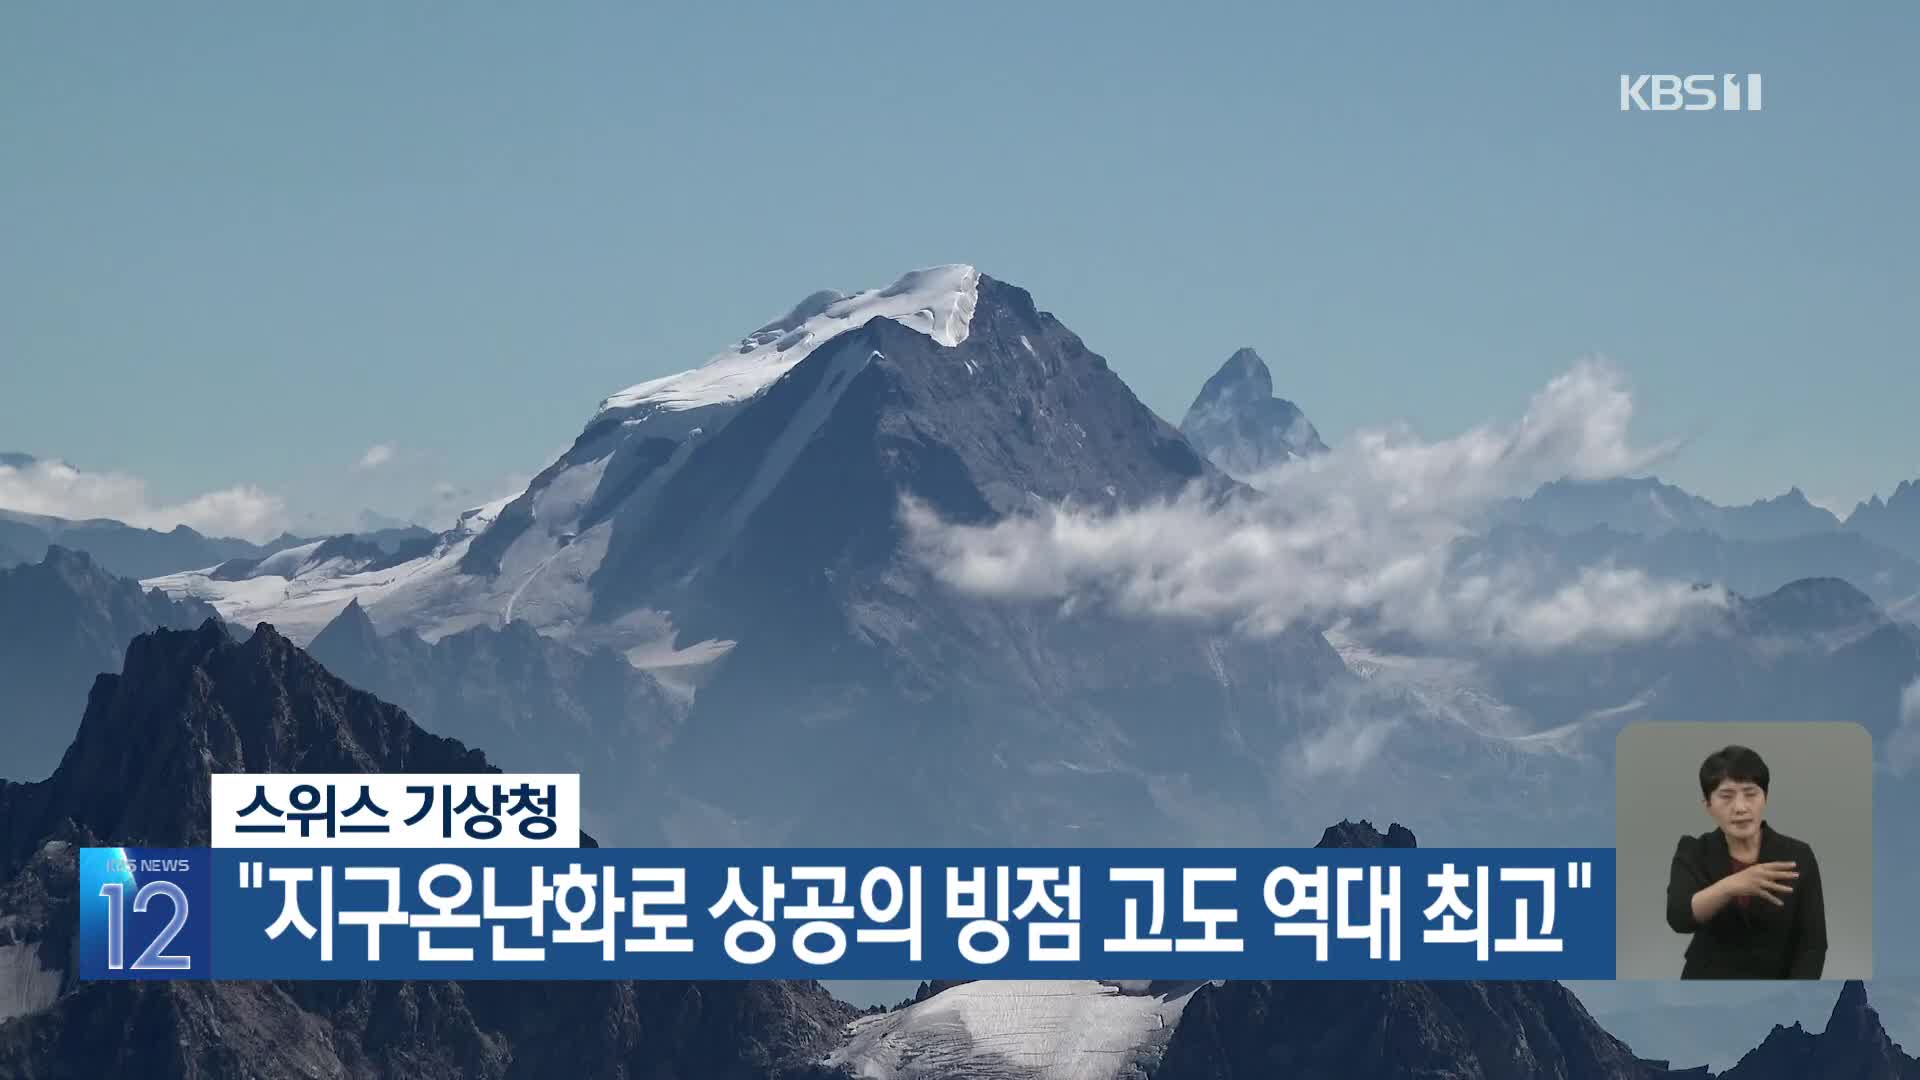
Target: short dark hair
x=1737 y=763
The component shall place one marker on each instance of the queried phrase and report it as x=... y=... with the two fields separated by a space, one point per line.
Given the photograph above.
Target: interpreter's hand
x=1768 y=880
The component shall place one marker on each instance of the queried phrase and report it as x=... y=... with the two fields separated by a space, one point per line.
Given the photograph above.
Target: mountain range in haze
x=131 y=551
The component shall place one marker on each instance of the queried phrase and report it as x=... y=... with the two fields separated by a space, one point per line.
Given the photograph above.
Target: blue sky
x=245 y=244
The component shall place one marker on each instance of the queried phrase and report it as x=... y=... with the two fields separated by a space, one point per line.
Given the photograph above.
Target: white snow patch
x=424 y=594
x=937 y=302
x=25 y=986
x=478 y=518
x=1030 y=1030
x=286 y=562
x=680 y=671
x=558 y=503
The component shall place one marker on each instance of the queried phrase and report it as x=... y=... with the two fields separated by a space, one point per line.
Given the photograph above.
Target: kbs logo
x=1689 y=93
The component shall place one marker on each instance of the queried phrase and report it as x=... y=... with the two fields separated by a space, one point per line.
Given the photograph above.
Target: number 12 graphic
x=152 y=959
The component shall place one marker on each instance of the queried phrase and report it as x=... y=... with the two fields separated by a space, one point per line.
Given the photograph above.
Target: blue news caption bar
x=1479 y=913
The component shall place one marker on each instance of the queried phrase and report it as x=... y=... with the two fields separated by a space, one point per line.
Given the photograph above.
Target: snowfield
x=937 y=301
x=25 y=986
x=1020 y=1030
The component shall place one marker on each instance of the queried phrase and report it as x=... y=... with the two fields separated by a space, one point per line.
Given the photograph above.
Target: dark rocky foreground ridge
x=530 y=700
x=1854 y=1044
x=192 y=702
x=189 y=702
x=1466 y=1030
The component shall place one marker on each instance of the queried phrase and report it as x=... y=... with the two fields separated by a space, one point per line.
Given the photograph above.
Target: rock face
x=1239 y=425
x=1337 y=1030
x=1854 y=1046
x=64 y=620
x=1362 y=834
x=533 y=701
x=191 y=702
x=1465 y=1030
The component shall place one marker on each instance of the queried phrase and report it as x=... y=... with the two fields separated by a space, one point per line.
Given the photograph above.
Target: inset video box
x=396 y=810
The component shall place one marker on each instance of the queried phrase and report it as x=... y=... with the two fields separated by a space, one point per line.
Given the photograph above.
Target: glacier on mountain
x=937 y=301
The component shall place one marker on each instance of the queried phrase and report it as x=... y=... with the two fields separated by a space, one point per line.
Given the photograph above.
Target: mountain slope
x=536 y=702
x=64 y=620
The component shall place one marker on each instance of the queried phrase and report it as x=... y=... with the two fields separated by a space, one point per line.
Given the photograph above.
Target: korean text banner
x=395 y=810
x=868 y=913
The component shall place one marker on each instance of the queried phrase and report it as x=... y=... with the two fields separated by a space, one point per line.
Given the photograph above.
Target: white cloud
x=1366 y=531
x=57 y=489
x=1903 y=746
x=377 y=455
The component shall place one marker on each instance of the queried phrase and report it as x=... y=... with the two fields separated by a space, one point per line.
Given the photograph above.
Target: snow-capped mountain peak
x=755 y=502
x=937 y=301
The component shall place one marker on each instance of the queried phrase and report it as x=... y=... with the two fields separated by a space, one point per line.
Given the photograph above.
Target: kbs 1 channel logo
x=1690 y=93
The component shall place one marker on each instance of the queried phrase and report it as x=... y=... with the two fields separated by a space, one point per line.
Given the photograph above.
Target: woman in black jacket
x=1750 y=896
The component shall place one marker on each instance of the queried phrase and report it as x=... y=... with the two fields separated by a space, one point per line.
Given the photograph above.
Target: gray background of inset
x=1821 y=791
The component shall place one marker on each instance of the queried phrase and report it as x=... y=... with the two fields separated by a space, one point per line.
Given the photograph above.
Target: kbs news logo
x=1689 y=93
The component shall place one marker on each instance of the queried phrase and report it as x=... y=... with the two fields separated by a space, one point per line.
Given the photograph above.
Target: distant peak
x=1853 y=1020
x=1852 y=999
x=62 y=557
x=353 y=615
x=1832 y=590
x=1244 y=375
x=1362 y=834
x=1237 y=423
x=353 y=624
